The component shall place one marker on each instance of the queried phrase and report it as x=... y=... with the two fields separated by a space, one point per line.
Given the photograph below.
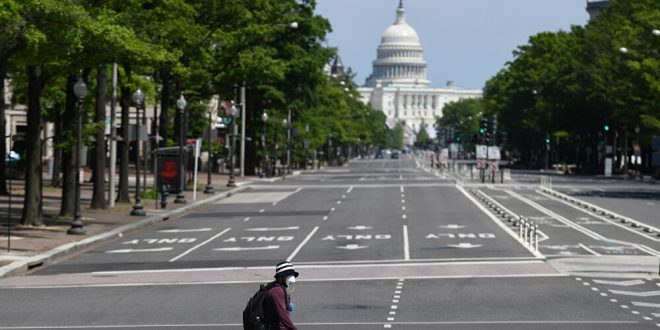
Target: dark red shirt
x=276 y=314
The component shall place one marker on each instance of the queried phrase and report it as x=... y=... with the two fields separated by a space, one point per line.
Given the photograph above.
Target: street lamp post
x=264 y=119
x=275 y=133
x=306 y=146
x=289 y=145
x=138 y=99
x=180 y=197
x=232 y=159
x=285 y=128
x=212 y=109
x=80 y=90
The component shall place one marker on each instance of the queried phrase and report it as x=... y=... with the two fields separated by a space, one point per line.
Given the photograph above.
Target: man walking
x=277 y=303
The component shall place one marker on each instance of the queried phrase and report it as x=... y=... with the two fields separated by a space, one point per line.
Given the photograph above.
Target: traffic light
x=457 y=133
x=606 y=127
x=547 y=139
x=483 y=126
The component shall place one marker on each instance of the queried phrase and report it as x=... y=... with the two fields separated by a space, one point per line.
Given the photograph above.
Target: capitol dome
x=400 y=58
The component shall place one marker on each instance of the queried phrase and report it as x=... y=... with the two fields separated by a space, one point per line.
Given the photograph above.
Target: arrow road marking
x=452 y=226
x=620 y=283
x=464 y=245
x=637 y=294
x=269 y=247
x=272 y=229
x=360 y=227
x=184 y=230
x=140 y=250
x=351 y=247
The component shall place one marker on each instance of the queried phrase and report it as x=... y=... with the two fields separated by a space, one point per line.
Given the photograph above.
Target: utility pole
x=243 y=130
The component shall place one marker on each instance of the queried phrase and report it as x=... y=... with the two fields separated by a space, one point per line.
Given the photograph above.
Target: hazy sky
x=466 y=41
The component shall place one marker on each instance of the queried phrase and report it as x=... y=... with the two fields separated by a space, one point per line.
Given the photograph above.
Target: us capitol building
x=399 y=86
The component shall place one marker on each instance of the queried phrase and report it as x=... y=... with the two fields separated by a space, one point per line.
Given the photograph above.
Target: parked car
x=379 y=155
x=394 y=155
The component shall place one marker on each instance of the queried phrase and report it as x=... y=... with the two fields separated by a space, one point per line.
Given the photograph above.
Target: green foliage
x=575 y=81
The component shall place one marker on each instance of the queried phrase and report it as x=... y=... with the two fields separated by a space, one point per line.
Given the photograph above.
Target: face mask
x=290 y=281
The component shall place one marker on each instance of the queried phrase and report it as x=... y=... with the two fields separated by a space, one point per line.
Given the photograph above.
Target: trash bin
x=169 y=176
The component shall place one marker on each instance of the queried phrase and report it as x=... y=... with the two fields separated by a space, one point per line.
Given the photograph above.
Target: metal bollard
x=536 y=238
x=163 y=197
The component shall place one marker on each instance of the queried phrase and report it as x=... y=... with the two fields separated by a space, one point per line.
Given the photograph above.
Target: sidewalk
x=31 y=247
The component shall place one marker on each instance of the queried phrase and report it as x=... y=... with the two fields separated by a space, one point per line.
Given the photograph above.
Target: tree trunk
x=67 y=203
x=32 y=201
x=3 y=133
x=98 y=195
x=123 y=193
x=56 y=179
x=164 y=108
x=250 y=146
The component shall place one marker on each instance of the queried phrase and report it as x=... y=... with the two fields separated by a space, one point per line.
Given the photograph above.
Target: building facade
x=594 y=7
x=398 y=85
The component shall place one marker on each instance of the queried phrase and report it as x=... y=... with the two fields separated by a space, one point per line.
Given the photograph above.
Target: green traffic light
x=607 y=128
x=481 y=130
x=547 y=141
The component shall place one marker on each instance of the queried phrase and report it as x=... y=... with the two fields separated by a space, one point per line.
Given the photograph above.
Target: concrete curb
x=18 y=267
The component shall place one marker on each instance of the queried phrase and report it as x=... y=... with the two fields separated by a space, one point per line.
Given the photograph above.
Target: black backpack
x=253 y=314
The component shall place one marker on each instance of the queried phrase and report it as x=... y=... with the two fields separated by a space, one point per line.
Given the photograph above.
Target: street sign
x=226 y=120
x=482 y=151
x=494 y=153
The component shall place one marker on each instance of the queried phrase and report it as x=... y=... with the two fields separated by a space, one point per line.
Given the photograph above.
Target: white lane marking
x=616 y=223
x=406 y=244
x=589 y=250
x=620 y=283
x=338 y=202
x=140 y=250
x=332 y=209
x=645 y=304
x=392 y=312
x=402 y=189
x=403 y=208
x=272 y=228
x=275 y=203
x=200 y=245
x=325 y=218
x=184 y=230
x=636 y=294
x=343 y=196
x=346 y=325
x=262 y=210
x=238 y=248
x=300 y=246
x=329 y=279
x=246 y=219
x=499 y=223
x=349 y=190
x=403 y=216
x=580 y=228
x=403 y=201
